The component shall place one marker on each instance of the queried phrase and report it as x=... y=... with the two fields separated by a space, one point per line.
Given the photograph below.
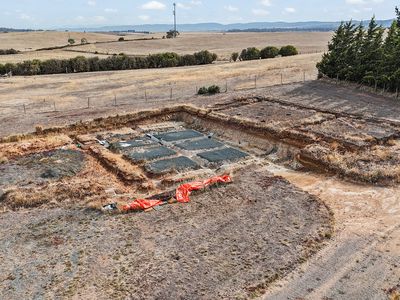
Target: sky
x=50 y=14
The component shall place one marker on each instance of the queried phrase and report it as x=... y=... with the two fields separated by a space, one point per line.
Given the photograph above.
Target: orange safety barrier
x=182 y=193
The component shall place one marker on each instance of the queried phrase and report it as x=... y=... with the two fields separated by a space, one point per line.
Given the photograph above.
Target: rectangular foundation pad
x=178 y=135
x=226 y=154
x=167 y=165
x=201 y=144
x=151 y=154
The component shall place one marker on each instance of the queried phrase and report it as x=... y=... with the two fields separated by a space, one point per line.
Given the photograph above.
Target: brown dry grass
x=23 y=41
x=15 y=149
x=72 y=90
x=221 y=43
x=89 y=186
x=187 y=43
x=44 y=55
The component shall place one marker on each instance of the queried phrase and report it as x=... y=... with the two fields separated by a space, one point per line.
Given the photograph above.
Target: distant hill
x=4 y=29
x=256 y=26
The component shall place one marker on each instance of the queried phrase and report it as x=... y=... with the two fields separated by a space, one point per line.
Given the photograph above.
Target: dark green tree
x=269 y=52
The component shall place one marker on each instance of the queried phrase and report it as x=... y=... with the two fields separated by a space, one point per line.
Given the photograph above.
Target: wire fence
x=148 y=93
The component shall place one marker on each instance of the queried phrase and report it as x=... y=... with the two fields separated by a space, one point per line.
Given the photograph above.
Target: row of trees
x=8 y=51
x=364 y=55
x=115 y=62
x=253 y=53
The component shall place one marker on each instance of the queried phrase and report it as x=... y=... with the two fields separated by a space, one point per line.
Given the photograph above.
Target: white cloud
x=260 y=12
x=25 y=17
x=196 y=2
x=265 y=2
x=99 y=19
x=231 y=8
x=92 y=2
x=144 y=17
x=110 y=10
x=290 y=10
x=183 y=6
x=153 y=5
x=363 y=2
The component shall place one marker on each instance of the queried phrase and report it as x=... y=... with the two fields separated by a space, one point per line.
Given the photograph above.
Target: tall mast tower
x=174 y=20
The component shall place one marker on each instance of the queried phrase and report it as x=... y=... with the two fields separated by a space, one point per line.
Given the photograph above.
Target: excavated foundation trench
x=247 y=235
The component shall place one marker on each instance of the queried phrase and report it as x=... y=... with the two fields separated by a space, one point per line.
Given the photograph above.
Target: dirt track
x=362 y=260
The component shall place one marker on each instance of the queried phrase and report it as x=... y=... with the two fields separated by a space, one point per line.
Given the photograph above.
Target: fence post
x=145 y=94
x=88 y=102
x=281 y=78
x=226 y=85
x=337 y=79
x=397 y=92
x=255 y=81
x=24 y=109
x=54 y=104
x=115 y=100
x=304 y=76
x=170 y=94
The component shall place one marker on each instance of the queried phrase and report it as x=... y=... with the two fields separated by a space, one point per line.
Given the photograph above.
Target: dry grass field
x=221 y=43
x=23 y=41
x=187 y=43
x=70 y=91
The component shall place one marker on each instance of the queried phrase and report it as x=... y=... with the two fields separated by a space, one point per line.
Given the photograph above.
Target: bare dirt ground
x=182 y=251
x=362 y=260
x=353 y=130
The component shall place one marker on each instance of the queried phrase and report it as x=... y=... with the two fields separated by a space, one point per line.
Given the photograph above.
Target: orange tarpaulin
x=142 y=204
x=182 y=193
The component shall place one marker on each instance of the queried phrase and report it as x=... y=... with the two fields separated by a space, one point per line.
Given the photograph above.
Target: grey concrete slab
x=150 y=154
x=201 y=144
x=128 y=145
x=225 y=154
x=167 y=165
x=178 y=135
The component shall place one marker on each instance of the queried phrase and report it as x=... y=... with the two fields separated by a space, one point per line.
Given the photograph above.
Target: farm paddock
x=306 y=177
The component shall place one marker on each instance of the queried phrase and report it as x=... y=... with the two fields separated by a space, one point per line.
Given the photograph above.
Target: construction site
x=285 y=192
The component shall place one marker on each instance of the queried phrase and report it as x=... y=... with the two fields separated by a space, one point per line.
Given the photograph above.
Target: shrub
x=211 y=90
x=8 y=51
x=214 y=89
x=172 y=34
x=251 y=53
x=205 y=57
x=234 y=56
x=71 y=41
x=187 y=60
x=121 y=39
x=269 y=52
x=288 y=50
x=202 y=91
x=84 y=41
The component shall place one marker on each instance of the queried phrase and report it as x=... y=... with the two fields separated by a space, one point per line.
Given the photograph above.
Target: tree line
x=364 y=55
x=115 y=62
x=253 y=53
